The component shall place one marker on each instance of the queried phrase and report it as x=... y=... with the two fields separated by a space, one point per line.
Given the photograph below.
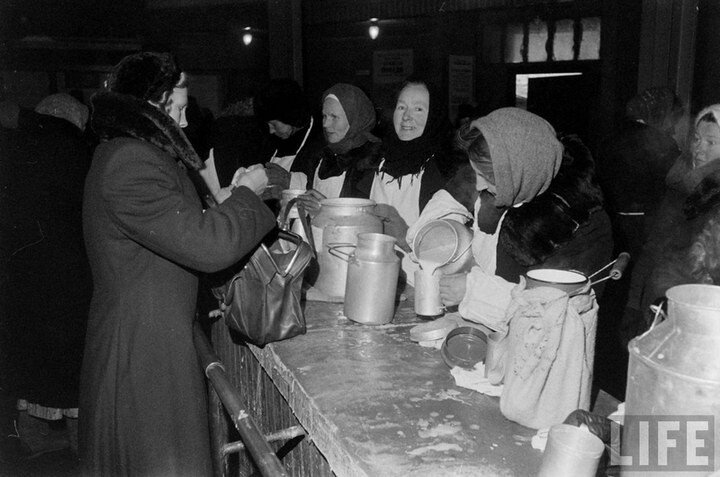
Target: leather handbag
x=262 y=300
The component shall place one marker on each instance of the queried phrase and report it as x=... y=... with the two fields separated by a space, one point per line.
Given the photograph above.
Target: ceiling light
x=374 y=29
x=247 y=37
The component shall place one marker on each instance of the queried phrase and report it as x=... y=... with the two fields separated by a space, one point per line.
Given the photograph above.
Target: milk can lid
x=465 y=347
x=433 y=330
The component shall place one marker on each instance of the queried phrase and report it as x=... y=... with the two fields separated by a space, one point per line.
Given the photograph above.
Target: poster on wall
x=392 y=66
x=461 y=82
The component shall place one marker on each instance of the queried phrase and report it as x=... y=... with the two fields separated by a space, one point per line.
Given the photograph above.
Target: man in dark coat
x=143 y=409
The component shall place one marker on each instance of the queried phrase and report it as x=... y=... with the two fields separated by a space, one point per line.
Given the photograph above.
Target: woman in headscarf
x=535 y=204
x=408 y=174
x=345 y=165
x=672 y=225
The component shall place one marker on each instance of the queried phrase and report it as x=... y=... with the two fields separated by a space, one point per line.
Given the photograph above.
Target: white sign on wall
x=461 y=82
x=392 y=66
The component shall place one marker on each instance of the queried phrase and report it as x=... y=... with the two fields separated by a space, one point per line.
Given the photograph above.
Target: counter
x=373 y=402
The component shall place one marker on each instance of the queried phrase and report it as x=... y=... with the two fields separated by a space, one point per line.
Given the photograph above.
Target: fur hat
x=64 y=106
x=145 y=76
x=283 y=100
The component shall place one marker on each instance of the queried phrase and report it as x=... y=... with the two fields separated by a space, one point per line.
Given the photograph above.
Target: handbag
x=262 y=300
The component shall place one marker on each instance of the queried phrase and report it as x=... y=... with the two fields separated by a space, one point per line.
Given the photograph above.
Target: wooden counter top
x=377 y=404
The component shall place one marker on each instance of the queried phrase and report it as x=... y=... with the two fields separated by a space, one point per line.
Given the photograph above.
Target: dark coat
x=632 y=166
x=48 y=285
x=143 y=407
x=564 y=227
x=686 y=252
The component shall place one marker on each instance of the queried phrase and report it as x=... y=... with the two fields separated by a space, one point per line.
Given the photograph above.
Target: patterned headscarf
x=65 y=107
x=525 y=152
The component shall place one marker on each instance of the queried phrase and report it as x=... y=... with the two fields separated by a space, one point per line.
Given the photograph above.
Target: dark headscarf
x=360 y=114
x=282 y=100
x=410 y=157
x=654 y=107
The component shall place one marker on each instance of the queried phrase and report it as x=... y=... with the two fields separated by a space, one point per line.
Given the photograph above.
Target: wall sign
x=461 y=82
x=392 y=66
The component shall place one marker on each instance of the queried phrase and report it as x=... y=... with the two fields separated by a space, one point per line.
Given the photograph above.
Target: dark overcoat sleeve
x=157 y=208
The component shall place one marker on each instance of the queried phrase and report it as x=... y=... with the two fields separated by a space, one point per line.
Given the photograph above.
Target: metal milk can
x=334 y=233
x=674 y=370
x=372 y=276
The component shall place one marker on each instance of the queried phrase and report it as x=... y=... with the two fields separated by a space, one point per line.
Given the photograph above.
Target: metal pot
x=372 y=275
x=674 y=368
x=334 y=233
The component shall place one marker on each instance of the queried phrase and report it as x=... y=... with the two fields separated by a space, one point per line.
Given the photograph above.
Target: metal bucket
x=444 y=244
x=372 y=275
x=334 y=233
x=674 y=369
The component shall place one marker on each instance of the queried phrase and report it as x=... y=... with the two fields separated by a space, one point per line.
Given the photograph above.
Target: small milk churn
x=372 y=276
x=334 y=235
x=674 y=372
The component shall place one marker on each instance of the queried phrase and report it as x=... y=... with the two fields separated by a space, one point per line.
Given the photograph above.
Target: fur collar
x=704 y=198
x=534 y=231
x=120 y=115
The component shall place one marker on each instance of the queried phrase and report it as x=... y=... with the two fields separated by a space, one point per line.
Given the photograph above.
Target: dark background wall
x=81 y=39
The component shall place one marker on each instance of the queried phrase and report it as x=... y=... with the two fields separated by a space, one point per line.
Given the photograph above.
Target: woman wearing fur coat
x=142 y=398
x=534 y=203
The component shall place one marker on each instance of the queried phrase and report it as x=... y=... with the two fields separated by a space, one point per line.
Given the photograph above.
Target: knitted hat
x=283 y=100
x=654 y=106
x=65 y=107
x=145 y=76
x=525 y=152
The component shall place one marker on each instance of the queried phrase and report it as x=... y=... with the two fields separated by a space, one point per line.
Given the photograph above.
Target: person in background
x=236 y=139
x=143 y=404
x=632 y=166
x=534 y=204
x=408 y=174
x=675 y=220
x=345 y=165
x=48 y=287
x=634 y=162
x=282 y=106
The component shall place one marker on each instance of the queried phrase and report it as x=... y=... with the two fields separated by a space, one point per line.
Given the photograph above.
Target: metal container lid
x=433 y=330
x=464 y=347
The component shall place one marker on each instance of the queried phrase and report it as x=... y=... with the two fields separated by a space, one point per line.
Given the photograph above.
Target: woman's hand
x=452 y=288
x=310 y=201
x=254 y=178
x=393 y=224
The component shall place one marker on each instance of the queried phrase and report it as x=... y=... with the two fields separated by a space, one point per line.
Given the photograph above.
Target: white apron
x=298 y=180
x=330 y=187
x=406 y=200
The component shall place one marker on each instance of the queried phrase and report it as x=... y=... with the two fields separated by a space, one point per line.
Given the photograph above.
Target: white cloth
x=475 y=379
x=209 y=174
x=330 y=187
x=406 y=200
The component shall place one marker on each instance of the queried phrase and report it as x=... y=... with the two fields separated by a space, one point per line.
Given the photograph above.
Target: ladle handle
x=616 y=272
